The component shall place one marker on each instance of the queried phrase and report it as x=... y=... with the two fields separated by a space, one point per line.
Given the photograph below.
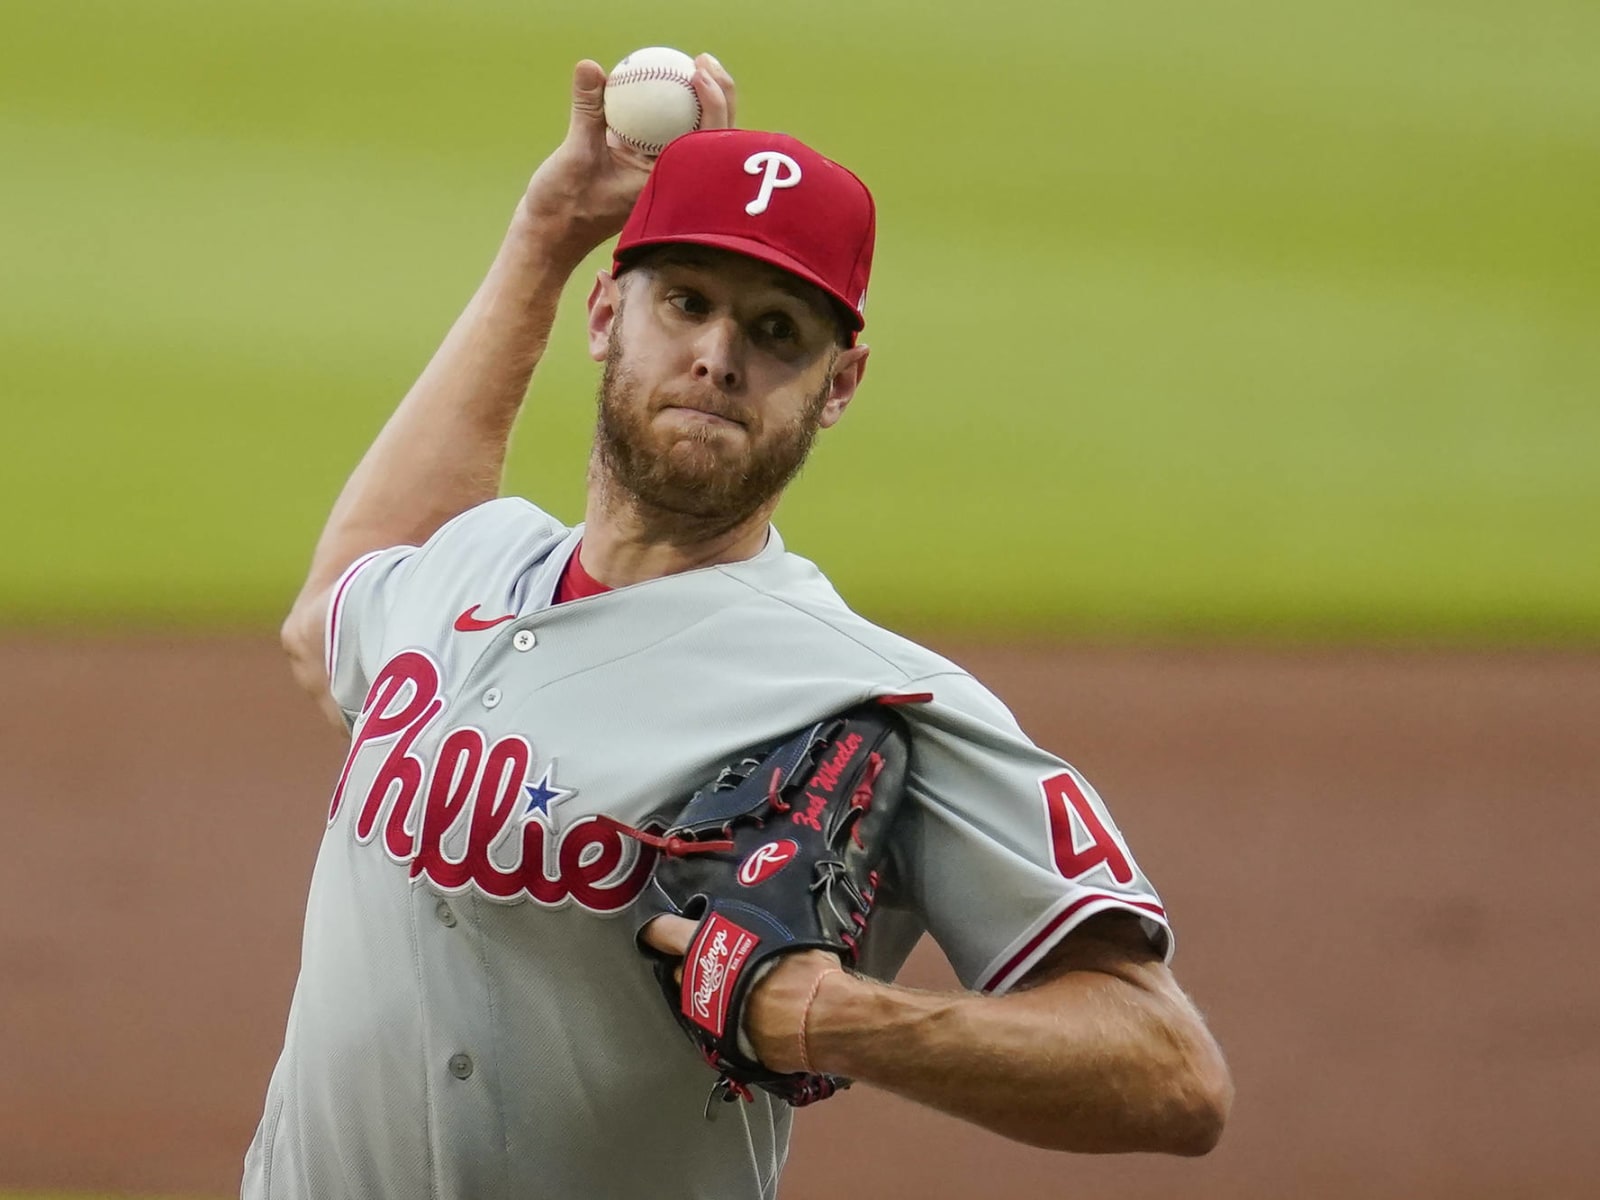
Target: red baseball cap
x=766 y=195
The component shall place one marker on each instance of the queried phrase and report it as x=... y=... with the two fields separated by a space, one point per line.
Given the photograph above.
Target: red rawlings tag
x=711 y=970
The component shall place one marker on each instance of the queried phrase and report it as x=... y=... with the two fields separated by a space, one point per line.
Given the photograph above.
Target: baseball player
x=473 y=1017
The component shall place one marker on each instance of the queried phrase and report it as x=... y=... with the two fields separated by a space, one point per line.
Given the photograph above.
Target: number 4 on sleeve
x=1079 y=837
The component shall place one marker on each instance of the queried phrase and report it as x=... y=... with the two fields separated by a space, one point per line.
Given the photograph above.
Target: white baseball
x=650 y=98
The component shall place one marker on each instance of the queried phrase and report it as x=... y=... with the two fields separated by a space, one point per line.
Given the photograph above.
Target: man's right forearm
x=443 y=451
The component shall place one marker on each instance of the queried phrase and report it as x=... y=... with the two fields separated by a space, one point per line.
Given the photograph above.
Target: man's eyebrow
x=694 y=258
x=679 y=256
x=809 y=295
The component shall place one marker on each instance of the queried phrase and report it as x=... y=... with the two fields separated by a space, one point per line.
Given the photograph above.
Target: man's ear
x=605 y=298
x=848 y=370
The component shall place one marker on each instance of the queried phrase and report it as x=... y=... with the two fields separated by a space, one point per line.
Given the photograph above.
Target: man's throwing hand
x=582 y=194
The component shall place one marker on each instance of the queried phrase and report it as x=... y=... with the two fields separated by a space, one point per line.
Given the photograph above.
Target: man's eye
x=778 y=328
x=690 y=303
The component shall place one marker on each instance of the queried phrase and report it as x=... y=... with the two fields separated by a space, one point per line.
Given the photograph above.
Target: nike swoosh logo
x=470 y=622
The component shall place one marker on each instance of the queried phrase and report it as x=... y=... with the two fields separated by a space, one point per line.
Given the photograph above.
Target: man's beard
x=694 y=481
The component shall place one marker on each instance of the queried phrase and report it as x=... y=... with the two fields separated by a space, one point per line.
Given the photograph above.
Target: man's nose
x=717 y=355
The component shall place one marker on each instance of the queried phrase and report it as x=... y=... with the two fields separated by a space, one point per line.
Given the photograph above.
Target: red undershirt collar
x=576 y=583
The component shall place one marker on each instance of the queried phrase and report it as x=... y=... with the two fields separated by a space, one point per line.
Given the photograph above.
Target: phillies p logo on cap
x=777 y=170
x=765 y=195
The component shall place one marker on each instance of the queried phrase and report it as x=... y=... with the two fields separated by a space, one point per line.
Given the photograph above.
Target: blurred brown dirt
x=1379 y=866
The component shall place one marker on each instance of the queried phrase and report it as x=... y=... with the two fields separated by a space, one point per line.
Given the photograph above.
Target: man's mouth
x=704 y=415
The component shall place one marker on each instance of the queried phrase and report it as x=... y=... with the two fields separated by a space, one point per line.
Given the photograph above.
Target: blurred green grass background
x=1225 y=320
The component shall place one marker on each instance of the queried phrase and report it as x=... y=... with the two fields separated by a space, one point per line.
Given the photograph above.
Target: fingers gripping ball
x=650 y=98
x=777 y=853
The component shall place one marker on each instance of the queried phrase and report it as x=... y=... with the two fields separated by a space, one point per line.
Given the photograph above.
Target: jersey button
x=491 y=697
x=461 y=1065
x=524 y=640
x=446 y=917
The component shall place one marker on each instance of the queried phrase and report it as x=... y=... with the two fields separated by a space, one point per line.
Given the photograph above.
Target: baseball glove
x=773 y=855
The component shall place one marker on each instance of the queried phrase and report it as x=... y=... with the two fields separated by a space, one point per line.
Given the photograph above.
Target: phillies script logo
x=826 y=780
x=712 y=968
x=480 y=789
x=766 y=861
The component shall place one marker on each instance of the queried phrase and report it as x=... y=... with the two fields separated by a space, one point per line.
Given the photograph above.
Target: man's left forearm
x=1084 y=1061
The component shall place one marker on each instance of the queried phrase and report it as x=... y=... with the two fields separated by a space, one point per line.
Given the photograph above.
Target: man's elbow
x=301 y=638
x=1199 y=1099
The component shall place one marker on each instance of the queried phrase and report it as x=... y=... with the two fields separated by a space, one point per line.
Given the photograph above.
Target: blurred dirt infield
x=1379 y=865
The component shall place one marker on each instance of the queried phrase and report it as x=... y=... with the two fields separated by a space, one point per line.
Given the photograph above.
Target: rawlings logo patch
x=766 y=861
x=711 y=970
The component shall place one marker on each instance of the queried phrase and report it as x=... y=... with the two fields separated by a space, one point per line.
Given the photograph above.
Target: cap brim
x=759 y=251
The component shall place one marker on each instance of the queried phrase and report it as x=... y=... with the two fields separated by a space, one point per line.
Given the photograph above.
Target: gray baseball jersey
x=472 y=1020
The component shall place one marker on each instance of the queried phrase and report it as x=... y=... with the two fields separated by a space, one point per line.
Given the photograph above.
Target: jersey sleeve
x=1008 y=848
x=421 y=586
x=357 y=606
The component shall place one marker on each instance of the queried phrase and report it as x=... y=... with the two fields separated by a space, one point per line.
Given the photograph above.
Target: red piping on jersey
x=1055 y=923
x=338 y=599
x=904 y=698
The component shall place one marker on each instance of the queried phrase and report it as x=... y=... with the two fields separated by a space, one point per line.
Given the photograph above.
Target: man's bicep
x=1112 y=943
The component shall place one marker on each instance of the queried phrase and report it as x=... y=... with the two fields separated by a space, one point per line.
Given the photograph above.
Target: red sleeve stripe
x=1001 y=978
x=331 y=641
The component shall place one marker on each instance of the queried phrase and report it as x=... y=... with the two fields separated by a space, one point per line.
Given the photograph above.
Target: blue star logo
x=545 y=792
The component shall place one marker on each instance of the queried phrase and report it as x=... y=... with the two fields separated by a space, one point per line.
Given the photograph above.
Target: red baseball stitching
x=647 y=75
x=639 y=74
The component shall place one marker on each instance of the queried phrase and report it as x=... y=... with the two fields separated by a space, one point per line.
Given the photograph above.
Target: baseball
x=650 y=98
